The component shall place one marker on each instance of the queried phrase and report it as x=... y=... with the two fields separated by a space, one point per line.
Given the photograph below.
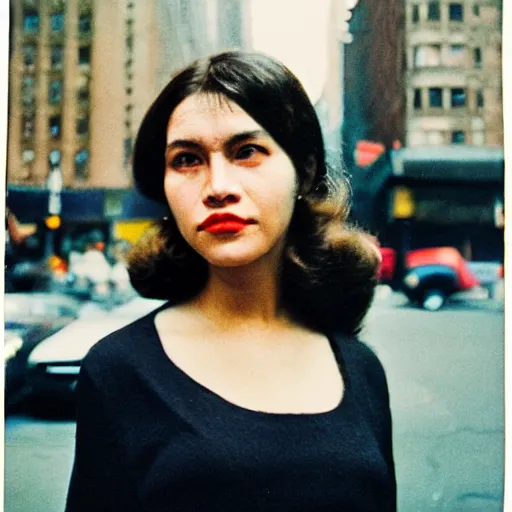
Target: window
x=28 y=155
x=476 y=10
x=458 y=137
x=415 y=13
x=434 y=11
x=456 y=55
x=56 y=56
x=435 y=97
x=479 y=98
x=54 y=124
x=129 y=42
x=27 y=90
x=84 y=24
x=29 y=55
x=57 y=22
x=128 y=147
x=456 y=12
x=54 y=157
x=28 y=125
x=477 y=58
x=81 y=164
x=458 y=97
x=427 y=56
x=55 y=92
x=31 y=22
x=83 y=94
x=417 y=99
x=82 y=125
x=84 y=55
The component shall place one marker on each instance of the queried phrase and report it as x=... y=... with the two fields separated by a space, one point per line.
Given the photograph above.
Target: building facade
x=78 y=80
x=453 y=77
x=83 y=73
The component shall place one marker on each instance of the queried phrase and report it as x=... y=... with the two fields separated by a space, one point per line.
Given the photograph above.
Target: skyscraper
x=83 y=72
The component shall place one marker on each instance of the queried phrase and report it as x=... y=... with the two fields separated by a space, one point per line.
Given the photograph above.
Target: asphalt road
x=445 y=373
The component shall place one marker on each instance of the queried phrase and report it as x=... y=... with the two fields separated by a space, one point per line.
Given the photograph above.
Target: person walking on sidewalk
x=249 y=390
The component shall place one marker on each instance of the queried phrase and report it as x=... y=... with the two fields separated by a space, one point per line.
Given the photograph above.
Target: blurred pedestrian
x=96 y=267
x=119 y=276
x=249 y=389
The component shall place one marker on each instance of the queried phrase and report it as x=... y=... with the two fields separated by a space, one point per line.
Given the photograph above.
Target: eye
x=250 y=151
x=184 y=160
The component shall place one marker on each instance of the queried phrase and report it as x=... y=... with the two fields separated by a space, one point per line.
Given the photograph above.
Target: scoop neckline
x=214 y=398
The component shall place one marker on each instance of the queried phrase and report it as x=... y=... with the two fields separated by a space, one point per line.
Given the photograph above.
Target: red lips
x=219 y=223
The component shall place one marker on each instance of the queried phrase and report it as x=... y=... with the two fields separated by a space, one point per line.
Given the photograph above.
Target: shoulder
x=121 y=349
x=362 y=362
x=358 y=351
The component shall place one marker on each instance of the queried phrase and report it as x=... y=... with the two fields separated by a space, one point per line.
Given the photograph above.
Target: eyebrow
x=231 y=141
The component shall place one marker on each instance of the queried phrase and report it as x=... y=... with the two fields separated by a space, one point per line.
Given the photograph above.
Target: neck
x=242 y=295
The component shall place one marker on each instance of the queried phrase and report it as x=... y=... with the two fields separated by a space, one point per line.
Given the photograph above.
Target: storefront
x=110 y=214
x=441 y=196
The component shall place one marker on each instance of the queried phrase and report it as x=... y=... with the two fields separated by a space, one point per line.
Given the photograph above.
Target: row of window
x=54 y=125
x=458 y=98
x=433 y=12
x=56 y=56
x=55 y=91
x=453 y=55
x=31 y=22
x=81 y=160
x=129 y=48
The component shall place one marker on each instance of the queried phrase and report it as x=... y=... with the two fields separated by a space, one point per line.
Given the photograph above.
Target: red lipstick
x=220 y=223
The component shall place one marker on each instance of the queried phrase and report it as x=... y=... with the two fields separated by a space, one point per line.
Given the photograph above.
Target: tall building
x=453 y=78
x=423 y=127
x=83 y=72
x=77 y=81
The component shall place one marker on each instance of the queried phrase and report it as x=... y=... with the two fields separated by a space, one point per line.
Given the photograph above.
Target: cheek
x=180 y=199
x=278 y=200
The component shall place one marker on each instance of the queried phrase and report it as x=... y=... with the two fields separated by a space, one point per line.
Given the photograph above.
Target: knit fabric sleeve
x=374 y=398
x=98 y=480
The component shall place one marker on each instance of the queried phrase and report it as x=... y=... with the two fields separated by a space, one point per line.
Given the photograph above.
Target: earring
x=299 y=197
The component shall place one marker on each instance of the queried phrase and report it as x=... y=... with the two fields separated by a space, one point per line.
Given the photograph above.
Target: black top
x=150 y=438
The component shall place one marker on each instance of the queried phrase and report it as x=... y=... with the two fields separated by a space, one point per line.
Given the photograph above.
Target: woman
x=248 y=390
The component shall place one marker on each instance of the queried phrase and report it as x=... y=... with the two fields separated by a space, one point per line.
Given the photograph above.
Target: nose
x=222 y=187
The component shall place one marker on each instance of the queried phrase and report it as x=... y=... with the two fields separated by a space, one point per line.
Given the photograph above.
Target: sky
x=295 y=33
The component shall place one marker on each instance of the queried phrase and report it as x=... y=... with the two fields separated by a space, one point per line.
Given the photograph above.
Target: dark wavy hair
x=329 y=268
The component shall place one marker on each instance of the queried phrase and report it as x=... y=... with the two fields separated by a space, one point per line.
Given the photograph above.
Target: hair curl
x=329 y=268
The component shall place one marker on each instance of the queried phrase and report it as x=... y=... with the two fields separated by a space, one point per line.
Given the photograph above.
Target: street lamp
x=54 y=185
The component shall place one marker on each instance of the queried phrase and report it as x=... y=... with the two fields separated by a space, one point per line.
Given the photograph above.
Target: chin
x=231 y=260
x=231 y=257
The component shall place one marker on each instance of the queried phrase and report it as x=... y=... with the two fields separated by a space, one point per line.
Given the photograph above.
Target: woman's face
x=230 y=186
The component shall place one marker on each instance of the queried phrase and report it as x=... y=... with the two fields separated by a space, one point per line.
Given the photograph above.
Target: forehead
x=208 y=117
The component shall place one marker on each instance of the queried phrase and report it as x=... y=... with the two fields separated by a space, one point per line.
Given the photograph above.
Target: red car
x=428 y=276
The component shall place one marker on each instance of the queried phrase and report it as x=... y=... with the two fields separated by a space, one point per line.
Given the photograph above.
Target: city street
x=445 y=372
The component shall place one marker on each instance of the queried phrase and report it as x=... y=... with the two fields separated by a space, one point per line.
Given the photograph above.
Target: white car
x=54 y=365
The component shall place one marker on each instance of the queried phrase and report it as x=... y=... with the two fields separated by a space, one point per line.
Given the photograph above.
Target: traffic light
x=53 y=222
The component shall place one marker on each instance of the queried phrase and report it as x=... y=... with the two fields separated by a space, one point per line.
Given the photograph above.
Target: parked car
x=428 y=277
x=54 y=365
x=29 y=318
